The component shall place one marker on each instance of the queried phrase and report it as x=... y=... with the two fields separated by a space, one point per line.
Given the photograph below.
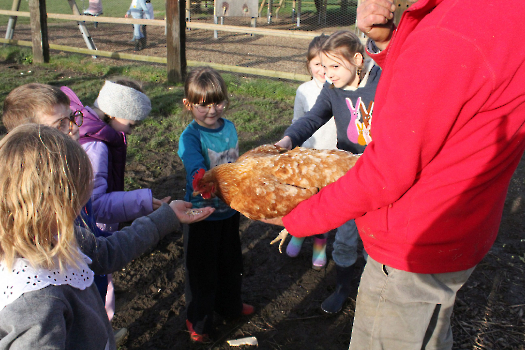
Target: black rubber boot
x=142 y=43
x=345 y=276
x=137 y=44
x=144 y=32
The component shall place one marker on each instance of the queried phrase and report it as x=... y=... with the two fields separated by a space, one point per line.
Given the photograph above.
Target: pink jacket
x=448 y=133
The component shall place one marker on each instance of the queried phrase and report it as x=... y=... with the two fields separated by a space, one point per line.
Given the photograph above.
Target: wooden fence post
x=176 y=40
x=401 y=5
x=82 y=26
x=12 y=21
x=37 y=10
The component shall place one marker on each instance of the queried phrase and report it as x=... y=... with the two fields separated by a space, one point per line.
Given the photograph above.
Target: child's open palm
x=186 y=215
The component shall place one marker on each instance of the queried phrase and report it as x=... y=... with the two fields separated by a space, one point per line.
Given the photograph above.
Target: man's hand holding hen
x=274 y=221
x=375 y=19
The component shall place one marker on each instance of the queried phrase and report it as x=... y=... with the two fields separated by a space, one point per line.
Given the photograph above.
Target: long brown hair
x=45 y=180
x=314 y=49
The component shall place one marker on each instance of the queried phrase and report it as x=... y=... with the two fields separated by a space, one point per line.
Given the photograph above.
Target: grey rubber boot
x=344 y=278
x=142 y=43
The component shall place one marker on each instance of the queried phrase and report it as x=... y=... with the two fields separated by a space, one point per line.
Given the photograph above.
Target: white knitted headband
x=123 y=102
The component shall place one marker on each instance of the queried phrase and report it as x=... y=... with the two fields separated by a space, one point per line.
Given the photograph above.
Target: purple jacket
x=106 y=149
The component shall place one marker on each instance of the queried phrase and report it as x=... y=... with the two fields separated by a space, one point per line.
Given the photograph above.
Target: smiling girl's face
x=316 y=68
x=207 y=115
x=341 y=72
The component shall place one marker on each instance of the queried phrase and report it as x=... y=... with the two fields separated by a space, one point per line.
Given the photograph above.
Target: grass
x=260 y=108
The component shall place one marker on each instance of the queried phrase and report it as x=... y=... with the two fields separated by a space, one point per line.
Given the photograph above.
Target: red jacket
x=448 y=133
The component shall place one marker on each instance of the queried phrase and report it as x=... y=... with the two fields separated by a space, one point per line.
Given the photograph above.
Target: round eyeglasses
x=66 y=124
x=202 y=108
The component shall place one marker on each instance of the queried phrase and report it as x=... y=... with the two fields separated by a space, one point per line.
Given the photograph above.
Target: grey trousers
x=399 y=310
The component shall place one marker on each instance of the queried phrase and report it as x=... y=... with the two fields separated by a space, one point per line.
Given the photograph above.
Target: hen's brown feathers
x=268 y=182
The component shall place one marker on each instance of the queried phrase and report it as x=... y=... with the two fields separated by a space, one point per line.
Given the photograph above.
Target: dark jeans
x=213 y=262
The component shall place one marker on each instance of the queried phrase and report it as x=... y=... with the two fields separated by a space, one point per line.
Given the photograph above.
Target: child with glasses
x=120 y=105
x=212 y=248
x=41 y=104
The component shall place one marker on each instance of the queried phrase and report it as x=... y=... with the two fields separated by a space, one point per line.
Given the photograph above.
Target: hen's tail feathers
x=280 y=238
x=196 y=178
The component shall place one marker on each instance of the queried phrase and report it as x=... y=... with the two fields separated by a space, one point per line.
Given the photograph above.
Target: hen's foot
x=280 y=238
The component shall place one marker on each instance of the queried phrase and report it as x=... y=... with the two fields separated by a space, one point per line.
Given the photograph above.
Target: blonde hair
x=45 y=181
x=205 y=85
x=344 y=44
x=22 y=103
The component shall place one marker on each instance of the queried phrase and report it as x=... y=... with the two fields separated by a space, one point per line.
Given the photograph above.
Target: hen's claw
x=281 y=237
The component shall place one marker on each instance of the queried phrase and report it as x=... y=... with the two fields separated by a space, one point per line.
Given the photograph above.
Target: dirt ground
x=489 y=311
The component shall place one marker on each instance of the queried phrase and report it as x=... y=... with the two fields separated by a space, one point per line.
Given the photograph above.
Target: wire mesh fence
x=246 y=36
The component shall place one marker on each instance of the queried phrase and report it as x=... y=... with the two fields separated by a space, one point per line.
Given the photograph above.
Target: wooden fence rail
x=192 y=25
x=298 y=34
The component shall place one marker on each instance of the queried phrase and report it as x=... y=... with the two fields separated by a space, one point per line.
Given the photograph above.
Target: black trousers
x=213 y=263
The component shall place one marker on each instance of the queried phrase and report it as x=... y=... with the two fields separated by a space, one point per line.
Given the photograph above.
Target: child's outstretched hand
x=285 y=142
x=187 y=215
x=158 y=202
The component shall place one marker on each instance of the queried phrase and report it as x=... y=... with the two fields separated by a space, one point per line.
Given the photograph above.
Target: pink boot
x=319 y=253
x=95 y=8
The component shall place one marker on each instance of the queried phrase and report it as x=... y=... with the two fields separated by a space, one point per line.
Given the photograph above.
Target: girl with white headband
x=120 y=105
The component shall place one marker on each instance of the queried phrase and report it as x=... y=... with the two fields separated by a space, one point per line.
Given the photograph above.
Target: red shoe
x=247 y=309
x=196 y=337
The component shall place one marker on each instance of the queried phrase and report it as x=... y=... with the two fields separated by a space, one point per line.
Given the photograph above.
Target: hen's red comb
x=196 y=178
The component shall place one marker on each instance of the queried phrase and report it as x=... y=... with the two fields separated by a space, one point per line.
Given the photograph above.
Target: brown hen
x=268 y=182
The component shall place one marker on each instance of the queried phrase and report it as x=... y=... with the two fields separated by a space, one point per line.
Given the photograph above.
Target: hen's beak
x=205 y=195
